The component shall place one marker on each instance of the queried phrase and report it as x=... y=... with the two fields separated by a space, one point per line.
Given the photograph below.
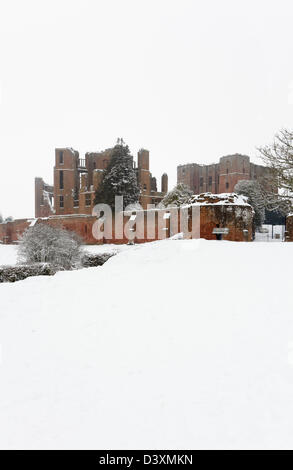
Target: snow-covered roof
x=65 y=216
x=203 y=199
x=223 y=199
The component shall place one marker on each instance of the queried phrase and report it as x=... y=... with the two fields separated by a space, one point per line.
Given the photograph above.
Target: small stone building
x=224 y=216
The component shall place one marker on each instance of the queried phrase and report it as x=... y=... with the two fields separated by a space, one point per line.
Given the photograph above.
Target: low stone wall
x=237 y=219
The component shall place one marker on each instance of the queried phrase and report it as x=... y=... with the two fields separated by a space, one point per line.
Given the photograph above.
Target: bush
x=91 y=261
x=18 y=273
x=44 y=244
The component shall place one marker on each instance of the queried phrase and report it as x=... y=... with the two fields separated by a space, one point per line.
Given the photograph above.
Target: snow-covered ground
x=274 y=233
x=174 y=344
x=8 y=253
x=107 y=248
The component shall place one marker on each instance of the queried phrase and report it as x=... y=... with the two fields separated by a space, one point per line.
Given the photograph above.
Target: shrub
x=18 y=273
x=56 y=246
x=178 y=196
x=90 y=261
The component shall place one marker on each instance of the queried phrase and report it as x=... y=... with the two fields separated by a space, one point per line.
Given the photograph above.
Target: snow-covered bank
x=173 y=344
x=8 y=253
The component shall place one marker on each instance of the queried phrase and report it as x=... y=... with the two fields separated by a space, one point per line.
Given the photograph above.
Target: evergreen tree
x=119 y=179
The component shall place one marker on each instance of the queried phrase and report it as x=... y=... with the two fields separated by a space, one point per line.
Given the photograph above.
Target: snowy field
x=173 y=344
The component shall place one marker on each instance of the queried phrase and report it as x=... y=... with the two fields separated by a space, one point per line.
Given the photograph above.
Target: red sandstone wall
x=42 y=205
x=236 y=218
x=289 y=229
x=69 y=169
x=11 y=231
x=233 y=168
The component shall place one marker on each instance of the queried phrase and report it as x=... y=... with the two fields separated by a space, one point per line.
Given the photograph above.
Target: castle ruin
x=220 y=177
x=77 y=179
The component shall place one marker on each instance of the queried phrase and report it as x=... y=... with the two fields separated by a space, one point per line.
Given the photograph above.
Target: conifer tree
x=119 y=178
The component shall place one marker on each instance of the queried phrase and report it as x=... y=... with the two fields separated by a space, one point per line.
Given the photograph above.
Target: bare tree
x=277 y=186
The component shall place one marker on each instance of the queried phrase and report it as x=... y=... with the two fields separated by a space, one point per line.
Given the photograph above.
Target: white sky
x=190 y=80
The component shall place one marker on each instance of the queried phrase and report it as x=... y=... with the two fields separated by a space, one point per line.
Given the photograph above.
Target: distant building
x=77 y=179
x=219 y=177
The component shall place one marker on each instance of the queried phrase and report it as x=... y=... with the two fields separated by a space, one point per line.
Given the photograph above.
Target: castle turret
x=164 y=183
x=66 y=180
x=144 y=176
x=143 y=159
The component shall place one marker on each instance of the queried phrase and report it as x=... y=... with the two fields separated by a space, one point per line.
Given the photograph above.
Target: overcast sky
x=190 y=80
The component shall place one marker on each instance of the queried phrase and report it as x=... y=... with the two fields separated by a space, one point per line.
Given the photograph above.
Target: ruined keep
x=220 y=177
